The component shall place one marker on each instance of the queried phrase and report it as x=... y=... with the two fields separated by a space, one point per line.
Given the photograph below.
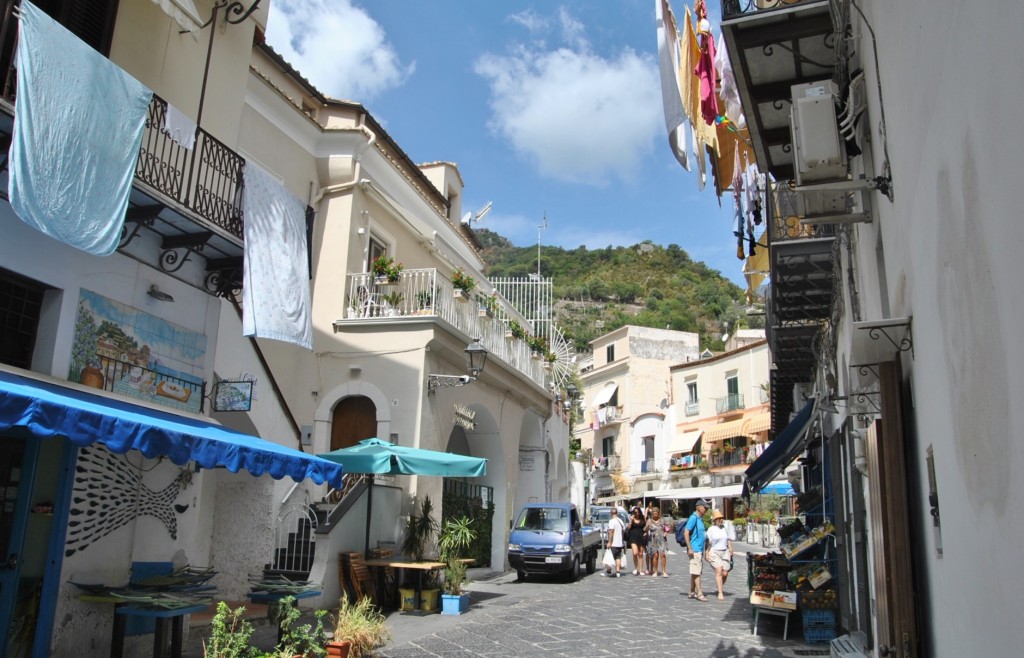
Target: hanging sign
x=465 y=417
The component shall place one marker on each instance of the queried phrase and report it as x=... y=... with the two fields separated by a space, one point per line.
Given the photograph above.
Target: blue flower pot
x=454 y=604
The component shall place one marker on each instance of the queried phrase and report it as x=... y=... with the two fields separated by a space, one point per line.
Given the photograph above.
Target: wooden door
x=354 y=419
x=894 y=583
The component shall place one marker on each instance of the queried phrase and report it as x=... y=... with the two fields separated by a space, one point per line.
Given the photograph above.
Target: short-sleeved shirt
x=617 y=530
x=695 y=524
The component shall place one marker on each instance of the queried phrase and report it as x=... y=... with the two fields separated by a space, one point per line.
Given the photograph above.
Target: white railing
x=425 y=292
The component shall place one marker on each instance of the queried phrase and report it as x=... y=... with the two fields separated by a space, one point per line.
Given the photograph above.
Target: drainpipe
x=357 y=172
x=860 y=460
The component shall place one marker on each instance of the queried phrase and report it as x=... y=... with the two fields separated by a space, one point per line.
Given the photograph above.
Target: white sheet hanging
x=671 y=97
x=275 y=296
x=78 y=127
x=179 y=127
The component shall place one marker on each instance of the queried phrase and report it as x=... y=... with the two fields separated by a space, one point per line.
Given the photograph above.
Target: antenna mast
x=540 y=227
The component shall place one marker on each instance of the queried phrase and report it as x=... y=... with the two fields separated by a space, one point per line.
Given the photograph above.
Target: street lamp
x=476 y=358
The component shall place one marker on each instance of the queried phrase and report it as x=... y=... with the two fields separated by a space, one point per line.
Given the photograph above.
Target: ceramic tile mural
x=122 y=349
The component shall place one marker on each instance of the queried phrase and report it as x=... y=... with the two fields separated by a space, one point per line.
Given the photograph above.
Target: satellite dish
x=467 y=218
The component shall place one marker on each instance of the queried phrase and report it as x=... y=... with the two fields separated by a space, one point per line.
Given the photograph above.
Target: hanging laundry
x=732 y=108
x=275 y=296
x=179 y=127
x=671 y=95
x=705 y=67
x=705 y=137
x=74 y=146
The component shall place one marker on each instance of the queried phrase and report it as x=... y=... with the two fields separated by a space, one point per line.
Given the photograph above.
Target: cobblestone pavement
x=593 y=617
x=598 y=616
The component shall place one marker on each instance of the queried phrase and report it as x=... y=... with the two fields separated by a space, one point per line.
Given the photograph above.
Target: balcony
x=773 y=45
x=724 y=459
x=692 y=408
x=612 y=415
x=426 y=295
x=191 y=199
x=729 y=403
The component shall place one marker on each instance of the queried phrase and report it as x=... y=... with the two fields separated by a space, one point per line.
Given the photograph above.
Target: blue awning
x=780 y=488
x=784 y=449
x=47 y=409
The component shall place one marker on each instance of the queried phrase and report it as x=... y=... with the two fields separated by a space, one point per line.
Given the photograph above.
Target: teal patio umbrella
x=381 y=457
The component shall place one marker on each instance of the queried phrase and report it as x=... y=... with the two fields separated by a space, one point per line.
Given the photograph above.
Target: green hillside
x=599 y=290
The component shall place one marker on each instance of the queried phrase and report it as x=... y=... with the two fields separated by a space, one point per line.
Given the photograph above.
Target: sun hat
x=717 y=514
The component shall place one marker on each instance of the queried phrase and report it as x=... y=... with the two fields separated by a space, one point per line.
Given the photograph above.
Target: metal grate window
x=20 y=304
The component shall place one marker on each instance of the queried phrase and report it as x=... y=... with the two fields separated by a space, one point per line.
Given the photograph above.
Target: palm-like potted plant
x=456 y=537
x=463 y=284
x=419 y=540
x=359 y=628
x=385 y=270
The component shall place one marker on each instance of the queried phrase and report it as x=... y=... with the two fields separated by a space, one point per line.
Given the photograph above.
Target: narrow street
x=595 y=616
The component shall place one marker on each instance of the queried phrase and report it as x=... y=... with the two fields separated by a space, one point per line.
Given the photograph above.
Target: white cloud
x=577 y=116
x=337 y=46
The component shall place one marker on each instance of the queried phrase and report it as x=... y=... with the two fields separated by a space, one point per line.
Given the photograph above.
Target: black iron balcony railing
x=733 y=8
x=207 y=179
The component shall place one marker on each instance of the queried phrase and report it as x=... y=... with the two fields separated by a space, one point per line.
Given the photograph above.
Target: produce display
x=823 y=599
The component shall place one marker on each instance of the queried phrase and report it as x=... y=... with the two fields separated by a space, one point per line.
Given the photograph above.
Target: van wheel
x=592 y=562
x=573 y=574
x=521 y=575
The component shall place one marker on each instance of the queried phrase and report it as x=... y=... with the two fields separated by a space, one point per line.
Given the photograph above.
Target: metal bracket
x=447 y=381
x=191 y=243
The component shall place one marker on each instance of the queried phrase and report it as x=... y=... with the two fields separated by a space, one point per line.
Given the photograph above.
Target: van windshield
x=543 y=518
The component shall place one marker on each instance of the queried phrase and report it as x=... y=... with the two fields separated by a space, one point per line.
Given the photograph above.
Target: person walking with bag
x=616 y=541
x=720 y=551
x=694 y=536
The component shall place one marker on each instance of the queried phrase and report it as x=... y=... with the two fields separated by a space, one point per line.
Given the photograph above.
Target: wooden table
x=399 y=563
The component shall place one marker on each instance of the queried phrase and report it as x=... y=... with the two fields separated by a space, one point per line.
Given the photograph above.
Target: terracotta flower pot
x=92 y=377
x=338 y=649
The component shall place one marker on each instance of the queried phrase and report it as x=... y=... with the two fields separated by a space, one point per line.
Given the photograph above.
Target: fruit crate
x=819 y=634
x=818 y=618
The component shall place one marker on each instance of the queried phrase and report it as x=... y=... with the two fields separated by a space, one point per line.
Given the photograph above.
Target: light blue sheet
x=77 y=131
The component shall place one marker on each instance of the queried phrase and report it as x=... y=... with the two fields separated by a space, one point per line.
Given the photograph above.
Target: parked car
x=548 y=538
x=599 y=517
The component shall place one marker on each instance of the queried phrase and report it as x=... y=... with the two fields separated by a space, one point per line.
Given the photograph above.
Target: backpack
x=680 y=529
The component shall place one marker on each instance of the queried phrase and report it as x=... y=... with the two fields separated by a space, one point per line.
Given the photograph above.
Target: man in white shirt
x=616 y=541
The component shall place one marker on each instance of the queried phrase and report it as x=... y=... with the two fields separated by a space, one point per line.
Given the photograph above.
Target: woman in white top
x=719 y=550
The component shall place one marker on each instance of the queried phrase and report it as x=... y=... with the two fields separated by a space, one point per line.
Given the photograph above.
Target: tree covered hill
x=599 y=290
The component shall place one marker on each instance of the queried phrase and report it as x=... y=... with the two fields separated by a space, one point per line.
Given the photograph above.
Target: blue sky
x=546 y=107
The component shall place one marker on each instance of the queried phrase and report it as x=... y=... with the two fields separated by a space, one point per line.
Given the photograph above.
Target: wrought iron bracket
x=447 y=381
x=170 y=261
x=138 y=216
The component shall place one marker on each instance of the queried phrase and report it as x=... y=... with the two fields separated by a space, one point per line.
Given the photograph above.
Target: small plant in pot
x=358 y=629
x=463 y=284
x=420 y=531
x=306 y=640
x=386 y=270
x=456 y=537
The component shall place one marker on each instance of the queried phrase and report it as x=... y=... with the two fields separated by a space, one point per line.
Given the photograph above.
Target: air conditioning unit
x=801 y=393
x=819 y=154
x=705 y=480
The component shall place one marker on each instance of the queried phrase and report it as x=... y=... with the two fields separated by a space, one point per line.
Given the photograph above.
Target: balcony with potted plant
x=386 y=271
x=463 y=284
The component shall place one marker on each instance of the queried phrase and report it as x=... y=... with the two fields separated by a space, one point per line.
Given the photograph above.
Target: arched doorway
x=353 y=419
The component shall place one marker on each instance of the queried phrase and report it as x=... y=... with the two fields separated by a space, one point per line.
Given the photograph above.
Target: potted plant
x=549 y=360
x=488 y=305
x=385 y=270
x=463 y=284
x=424 y=302
x=538 y=346
x=305 y=640
x=456 y=537
x=393 y=301
x=358 y=629
x=419 y=536
x=516 y=330
x=229 y=635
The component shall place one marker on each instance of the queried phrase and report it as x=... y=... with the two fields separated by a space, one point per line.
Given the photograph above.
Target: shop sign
x=465 y=417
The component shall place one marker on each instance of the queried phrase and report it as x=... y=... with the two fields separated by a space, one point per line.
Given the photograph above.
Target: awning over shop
x=758 y=423
x=780 y=487
x=784 y=449
x=46 y=409
x=605 y=395
x=725 y=430
x=689 y=493
x=683 y=442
